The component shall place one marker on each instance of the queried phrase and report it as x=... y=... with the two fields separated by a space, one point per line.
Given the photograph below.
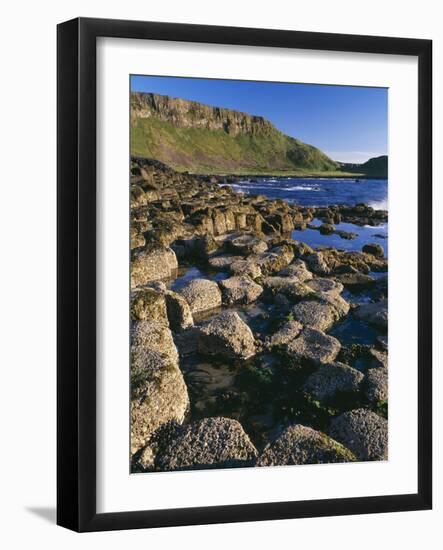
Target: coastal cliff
x=191 y=136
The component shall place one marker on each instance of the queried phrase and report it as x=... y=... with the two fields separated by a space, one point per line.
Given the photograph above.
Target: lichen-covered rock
x=226 y=335
x=288 y=332
x=317 y=263
x=375 y=314
x=149 y=305
x=378 y=359
x=314 y=346
x=327 y=228
x=247 y=266
x=209 y=443
x=364 y=432
x=137 y=239
x=375 y=249
x=376 y=385
x=158 y=395
x=247 y=244
x=275 y=260
x=382 y=342
x=201 y=295
x=356 y=280
x=222 y=262
x=340 y=305
x=300 y=444
x=187 y=341
x=152 y=265
x=326 y=287
x=318 y=315
x=179 y=312
x=153 y=336
x=298 y=270
x=239 y=290
x=289 y=287
x=333 y=378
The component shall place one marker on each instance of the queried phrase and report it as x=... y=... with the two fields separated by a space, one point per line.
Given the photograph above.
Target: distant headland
x=192 y=137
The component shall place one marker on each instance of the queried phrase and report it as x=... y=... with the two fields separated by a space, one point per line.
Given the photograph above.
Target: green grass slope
x=376 y=167
x=201 y=150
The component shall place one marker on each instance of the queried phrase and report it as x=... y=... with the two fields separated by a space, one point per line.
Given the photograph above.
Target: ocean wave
x=238 y=188
x=261 y=187
x=302 y=188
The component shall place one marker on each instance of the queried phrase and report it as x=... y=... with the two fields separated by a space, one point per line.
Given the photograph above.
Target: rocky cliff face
x=191 y=114
x=190 y=136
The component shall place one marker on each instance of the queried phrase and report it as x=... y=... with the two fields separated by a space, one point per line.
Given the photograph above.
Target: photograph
x=259 y=273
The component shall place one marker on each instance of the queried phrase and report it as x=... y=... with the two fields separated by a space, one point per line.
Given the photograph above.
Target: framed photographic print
x=244 y=274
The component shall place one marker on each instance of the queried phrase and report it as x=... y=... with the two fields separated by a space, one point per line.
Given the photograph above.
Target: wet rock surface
x=178 y=311
x=375 y=314
x=249 y=347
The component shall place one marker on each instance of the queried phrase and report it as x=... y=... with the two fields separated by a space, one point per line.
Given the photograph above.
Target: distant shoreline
x=309 y=175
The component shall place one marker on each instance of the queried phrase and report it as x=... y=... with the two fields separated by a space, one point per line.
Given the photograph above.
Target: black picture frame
x=76 y=281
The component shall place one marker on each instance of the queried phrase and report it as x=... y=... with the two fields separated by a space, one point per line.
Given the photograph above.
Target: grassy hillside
x=170 y=135
x=376 y=167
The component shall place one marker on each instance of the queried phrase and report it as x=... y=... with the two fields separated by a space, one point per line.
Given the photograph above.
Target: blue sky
x=347 y=123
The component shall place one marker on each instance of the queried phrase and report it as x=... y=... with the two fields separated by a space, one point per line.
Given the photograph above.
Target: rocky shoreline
x=244 y=364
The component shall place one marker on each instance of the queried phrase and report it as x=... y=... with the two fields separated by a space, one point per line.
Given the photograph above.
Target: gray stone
x=364 y=432
x=247 y=267
x=223 y=262
x=201 y=295
x=333 y=378
x=314 y=346
x=382 y=341
x=375 y=314
x=378 y=359
x=303 y=445
x=375 y=249
x=158 y=395
x=247 y=244
x=179 y=312
x=297 y=270
x=226 y=335
x=356 y=280
x=288 y=332
x=376 y=385
x=317 y=264
x=153 y=336
x=148 y=305
x=209 y=443
x=326 y=287
x=152 y=265
x=290 y=287
x=275 y=260
x=239 y=290
x=318 y=315
x=327 y=228
x=340 y=305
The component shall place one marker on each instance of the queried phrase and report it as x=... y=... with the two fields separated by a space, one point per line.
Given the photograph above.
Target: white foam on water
x=301 y=188
x=379 y=205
